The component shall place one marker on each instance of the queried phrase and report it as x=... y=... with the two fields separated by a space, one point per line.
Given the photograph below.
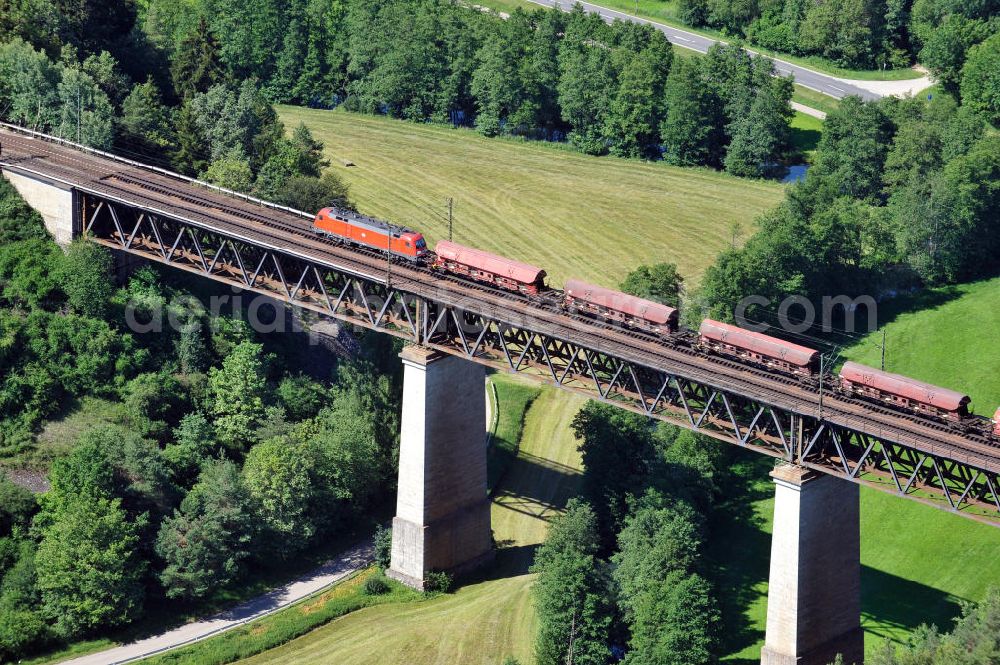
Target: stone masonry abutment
x=53 y=201
x=442 y=520
x=814 y=592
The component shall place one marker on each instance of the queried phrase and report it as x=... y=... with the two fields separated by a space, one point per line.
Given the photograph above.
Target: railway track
x=290 y=231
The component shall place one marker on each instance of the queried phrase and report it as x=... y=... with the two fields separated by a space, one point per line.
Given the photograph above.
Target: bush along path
x=350 y=562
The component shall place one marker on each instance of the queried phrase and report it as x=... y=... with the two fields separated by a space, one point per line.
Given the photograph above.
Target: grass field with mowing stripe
x=485 y=621
x=595 y=218
x=816 y=100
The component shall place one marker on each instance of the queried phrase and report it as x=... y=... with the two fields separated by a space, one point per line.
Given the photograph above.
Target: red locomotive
x=620 y=307
x=996 y=423
x=903 y=392
x=758 y=348
x=357 y=229
x=489 y=268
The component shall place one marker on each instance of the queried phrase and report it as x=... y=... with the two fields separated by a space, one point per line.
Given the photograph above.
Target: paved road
x=825 y=83
x=330 y=573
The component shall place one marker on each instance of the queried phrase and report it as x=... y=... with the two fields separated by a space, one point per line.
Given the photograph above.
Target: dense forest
x=862 y=34
x=189 y=84
x=215 y=457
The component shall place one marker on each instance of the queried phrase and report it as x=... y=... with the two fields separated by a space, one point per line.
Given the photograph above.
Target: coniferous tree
x=196 y=65
x=192 y=153
x=146 y=124
x=205 y=542
x=571 y=594
x=761 y=137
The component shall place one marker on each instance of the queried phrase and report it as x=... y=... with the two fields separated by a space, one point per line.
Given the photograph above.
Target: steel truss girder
x=282 y=276
x=727 y=416
x=739 y=419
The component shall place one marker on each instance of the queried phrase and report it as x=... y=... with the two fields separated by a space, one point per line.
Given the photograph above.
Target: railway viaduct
x=824 y=446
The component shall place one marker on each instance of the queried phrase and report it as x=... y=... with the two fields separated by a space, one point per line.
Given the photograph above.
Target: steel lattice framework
x=829 y=441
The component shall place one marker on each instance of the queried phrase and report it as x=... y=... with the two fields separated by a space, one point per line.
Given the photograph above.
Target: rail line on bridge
x=271 y=250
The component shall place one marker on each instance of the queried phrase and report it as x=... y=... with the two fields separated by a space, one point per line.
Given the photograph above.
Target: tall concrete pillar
x=814 y=594
x=442 y=517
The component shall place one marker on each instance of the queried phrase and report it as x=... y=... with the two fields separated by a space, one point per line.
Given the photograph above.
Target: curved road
x=807 y=78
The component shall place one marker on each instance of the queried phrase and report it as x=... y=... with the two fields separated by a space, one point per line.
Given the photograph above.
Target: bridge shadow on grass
x=536 y=487
x=892 y=606
x=739 y=551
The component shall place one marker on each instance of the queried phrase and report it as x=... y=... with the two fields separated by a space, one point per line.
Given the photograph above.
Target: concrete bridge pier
x=814 y=593
x=442 y=520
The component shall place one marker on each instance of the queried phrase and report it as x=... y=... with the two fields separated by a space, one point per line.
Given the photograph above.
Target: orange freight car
x=614 y=305
x=758 y=348
x=902 y=391
x=368 y=232
x=489 y=268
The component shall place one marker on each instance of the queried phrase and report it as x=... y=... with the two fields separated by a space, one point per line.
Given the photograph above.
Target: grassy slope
x=918 y=561
x=666 y=12
x=485 y=621
x=816 y=100
x=574 y=215
x=806 y=132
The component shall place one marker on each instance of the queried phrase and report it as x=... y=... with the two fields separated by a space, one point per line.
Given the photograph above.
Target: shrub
x=383 y=546
x=437 y=581
x=376 y=585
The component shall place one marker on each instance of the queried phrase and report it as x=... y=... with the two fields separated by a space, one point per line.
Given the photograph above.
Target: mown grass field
x=918 y=562
x=572 y=214
x=487 y=620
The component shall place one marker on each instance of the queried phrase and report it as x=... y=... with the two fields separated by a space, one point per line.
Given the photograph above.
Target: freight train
x=895 y=391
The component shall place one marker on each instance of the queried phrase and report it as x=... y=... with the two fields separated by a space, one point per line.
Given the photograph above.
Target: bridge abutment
x=52 y=200
x=442 y=520
x=814 y=593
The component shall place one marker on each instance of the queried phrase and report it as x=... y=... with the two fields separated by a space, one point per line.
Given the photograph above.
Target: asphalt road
x=828 y=85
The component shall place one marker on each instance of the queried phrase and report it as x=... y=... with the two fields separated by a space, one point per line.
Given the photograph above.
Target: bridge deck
x=290 y=232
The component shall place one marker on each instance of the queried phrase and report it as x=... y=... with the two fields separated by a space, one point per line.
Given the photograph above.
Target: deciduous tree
x=89 y=571
x=659 y=282
x=237 y=390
